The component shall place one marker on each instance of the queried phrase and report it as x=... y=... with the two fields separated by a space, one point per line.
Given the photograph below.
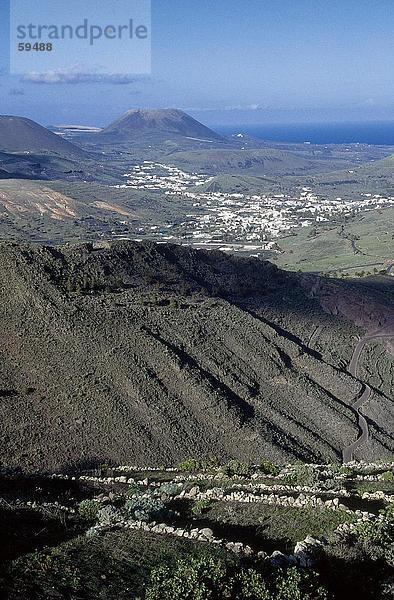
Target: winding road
x=382 y=334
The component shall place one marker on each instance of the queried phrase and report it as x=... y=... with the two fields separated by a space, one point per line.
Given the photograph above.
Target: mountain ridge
x=20 y=134
x=166 y=121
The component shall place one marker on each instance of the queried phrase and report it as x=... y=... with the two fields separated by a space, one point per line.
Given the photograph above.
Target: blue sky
x=227 y=61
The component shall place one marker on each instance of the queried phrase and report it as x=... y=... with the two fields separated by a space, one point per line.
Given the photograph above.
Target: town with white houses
x=158 y=176
x=236 y=221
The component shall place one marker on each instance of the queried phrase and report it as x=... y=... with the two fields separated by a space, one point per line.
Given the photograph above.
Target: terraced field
x=100 y=534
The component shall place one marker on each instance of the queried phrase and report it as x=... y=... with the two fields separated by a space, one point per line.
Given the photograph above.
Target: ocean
x=376 y=133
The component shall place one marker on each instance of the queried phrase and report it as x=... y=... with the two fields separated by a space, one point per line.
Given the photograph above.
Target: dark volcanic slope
x=169 y=121
x=18 y=134
x=149 y=353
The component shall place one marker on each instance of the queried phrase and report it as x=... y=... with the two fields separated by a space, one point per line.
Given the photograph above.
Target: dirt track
x=386 y=333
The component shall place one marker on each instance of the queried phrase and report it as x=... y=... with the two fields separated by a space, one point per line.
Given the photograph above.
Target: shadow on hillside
x=94 y=465
x=24 y=530
x=355 y=576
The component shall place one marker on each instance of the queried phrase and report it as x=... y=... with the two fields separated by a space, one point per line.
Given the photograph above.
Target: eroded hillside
x=155 y=352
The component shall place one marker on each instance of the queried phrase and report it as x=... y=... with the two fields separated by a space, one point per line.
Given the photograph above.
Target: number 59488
x=37 y=47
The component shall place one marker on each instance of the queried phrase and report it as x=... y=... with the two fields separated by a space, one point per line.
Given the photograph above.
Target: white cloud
x=77 y=74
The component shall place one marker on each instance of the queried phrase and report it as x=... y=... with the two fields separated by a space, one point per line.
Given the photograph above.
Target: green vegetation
x=268 y=468
x=304 y=475
x=91 y=553
x=214 y=465
x=168 y=489
x=114 y=566
x=359 y=247
x=89 y=509
x=377 y=537
x=209 y=579
x=189 y=465
x=275 y=527
x=361 y=562
x=200 y=507
x=348 y=471
x=236 y=467
x=145 y=508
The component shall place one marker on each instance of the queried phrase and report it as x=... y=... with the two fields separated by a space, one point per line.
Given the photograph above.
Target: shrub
x=133 y=490
x=197 y=579
x=210 y=464
x=109 y=515
x=377 y=538
x=92 y=532
x=236 y=467
x=200 y=506
x=208 y=578
x=348 y=471
x=329 y=484
x=294 y=584
x=168 y=489
x=268 y=468
x=387 y=590
x=89 y=509
x=388 y=511
x=189 y=465
x=145 y=508
x=334 y=468
x=388 y=476
x=304 y=475
x=251 y=586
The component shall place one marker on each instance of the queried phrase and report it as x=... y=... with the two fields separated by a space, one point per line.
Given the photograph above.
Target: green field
x=363 y=244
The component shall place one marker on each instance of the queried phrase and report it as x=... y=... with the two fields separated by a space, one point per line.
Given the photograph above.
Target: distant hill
x=136 y=352
x=375 y=177
x=260 y=161
x=18 y=134
x=161 y=123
